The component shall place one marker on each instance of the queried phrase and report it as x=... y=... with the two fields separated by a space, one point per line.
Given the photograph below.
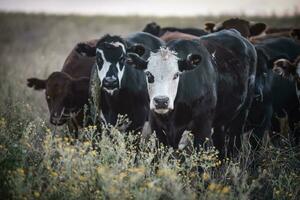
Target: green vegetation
x=40 y=161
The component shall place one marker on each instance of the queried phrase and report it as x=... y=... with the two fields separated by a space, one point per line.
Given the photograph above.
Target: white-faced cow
x=195 y=85
x=67 y=91
x=124 y=88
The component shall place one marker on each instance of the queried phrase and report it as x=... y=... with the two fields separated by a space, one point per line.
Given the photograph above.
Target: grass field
x=34 y=164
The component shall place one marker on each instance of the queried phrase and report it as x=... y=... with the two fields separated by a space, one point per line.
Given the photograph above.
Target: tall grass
x=40 y=161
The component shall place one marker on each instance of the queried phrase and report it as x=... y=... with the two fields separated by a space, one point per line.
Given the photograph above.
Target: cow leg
x=201 y=130
x=73 y=128
x=218 y=138
x=294 y=118
x=258 y=132
x=235 y=130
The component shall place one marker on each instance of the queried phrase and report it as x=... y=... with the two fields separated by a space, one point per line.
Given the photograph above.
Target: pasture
x=40 y=161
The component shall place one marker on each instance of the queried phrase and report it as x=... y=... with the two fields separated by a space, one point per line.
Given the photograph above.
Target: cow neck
x=169 y=131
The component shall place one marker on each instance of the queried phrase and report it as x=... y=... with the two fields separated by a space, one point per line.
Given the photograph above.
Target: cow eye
x=150 y=77
x=176 y=75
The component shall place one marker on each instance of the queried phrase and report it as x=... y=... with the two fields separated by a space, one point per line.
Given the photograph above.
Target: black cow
x=291 y=71
x=246 y=28
x=195 y=85
x=124 y=88
x=275 y=96
x=154 y=29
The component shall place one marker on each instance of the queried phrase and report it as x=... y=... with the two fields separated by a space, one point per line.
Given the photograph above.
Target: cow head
x=288 y=69
x=152 y=28
x=111 y=61
x=163 y=70
x=246 y=28
x=65 y=96
x=110 y=57
x=295 y=33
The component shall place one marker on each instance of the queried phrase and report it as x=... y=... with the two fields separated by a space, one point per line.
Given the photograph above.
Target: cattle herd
x=232 y=77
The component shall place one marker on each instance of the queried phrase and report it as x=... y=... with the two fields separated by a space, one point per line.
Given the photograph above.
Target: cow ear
x=138 y=62
x=36 y=84
x=152 y=28
x=85 y=50
x=191 y=62
x=295 y=33
x=257 y=28
x=209 y=26
x=137 y=49
x=283 y=67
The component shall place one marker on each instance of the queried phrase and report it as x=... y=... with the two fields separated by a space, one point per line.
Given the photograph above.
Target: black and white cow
x=194 y=85
x=123 y=87
x=275 y=96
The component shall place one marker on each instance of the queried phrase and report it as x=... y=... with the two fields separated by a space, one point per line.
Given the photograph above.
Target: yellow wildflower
x=122 y=175
x=36 y=194
x=101 y=170
x=212 y=186
x=225 y=190
x=94 y=153
x=21 y=171
x=150 y=184
x=140 y=170
x=2 y=122
x=82 y=178
x=205 y=176
x=54 y=174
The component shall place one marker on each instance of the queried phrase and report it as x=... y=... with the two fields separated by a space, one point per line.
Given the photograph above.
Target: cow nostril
x=161 y=101
x=110 y=81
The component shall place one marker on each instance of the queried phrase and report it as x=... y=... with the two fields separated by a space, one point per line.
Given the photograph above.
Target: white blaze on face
x=120 y=73
x=119 y=44
x=102 y=70
x=106 y=65
x=163 y=66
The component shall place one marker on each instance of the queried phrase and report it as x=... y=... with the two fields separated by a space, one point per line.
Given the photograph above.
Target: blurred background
x=156 y=7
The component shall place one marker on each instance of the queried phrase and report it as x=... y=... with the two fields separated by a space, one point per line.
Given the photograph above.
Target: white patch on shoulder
x=298 y=69
x=252 y=79
x=102 y=118
x=213 y=55
x=163 y=65
x=297 y=91
x=105 y=67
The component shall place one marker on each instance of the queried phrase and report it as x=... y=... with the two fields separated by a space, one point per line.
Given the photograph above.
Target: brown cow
x=168 y=36
x=67 y=91
x=246 y=28
x=292 y=33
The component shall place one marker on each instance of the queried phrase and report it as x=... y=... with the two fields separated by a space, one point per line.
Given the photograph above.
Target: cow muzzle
x=161 y=104
x=59 y=119
x=110 y=84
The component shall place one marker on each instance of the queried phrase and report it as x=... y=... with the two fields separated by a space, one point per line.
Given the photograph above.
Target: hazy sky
x=154 y=7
